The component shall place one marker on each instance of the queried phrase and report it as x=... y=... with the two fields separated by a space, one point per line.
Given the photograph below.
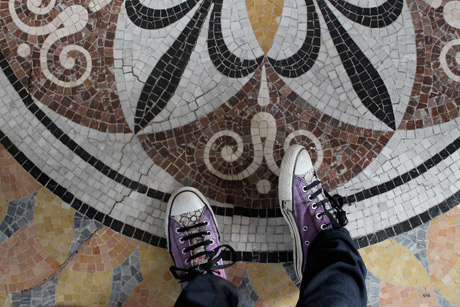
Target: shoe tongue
x=189 y=219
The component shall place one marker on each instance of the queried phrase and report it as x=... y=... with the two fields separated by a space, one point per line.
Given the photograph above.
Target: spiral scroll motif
x=71 y=20
x=450 y=59
x=263 y=138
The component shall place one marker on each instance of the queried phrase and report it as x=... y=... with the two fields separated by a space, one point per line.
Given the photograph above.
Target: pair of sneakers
x=194 y=239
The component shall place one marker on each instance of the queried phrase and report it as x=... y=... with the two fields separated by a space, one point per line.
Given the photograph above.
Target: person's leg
x=208 y=290
x=194 y=244
x=322 y=249
x=335 y=272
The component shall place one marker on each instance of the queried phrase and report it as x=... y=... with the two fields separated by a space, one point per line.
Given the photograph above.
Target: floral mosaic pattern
x=142 y=98
x=222 y=153
x=42 y=51
x=108 y=106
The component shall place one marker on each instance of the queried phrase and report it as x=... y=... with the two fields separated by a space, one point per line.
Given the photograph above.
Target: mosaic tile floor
x=108 y=106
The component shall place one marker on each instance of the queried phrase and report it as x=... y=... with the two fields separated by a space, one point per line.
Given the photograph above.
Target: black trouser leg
x=208 y=290
x=335 y=272
x=334 y=276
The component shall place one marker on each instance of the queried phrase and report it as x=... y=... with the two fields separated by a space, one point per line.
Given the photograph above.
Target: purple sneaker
x=193 y=237
x=307 y=208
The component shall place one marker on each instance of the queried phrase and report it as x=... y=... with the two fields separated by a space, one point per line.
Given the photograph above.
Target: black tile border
x=262 y=257
x=410 y=224
x=74 y=202
x=407 y=176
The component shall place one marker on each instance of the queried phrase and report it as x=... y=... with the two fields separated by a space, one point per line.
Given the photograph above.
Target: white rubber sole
x=285 y=184
x=171 y=200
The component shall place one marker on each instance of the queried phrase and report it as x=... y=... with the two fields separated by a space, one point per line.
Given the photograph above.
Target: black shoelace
x=213 y=256
x=336 y=214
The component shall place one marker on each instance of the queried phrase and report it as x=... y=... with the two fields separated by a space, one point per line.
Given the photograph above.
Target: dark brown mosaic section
x=347 y=149
x=435 y=97
x=94 y=103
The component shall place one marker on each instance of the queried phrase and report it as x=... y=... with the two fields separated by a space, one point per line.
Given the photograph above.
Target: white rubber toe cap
x=186 y=200
x=303 y=164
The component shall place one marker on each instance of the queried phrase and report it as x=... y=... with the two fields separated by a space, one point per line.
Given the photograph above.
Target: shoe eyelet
x=183 y=251
x=307 y=243
x=304 y=189
x=187 y=261
x=309 y=198
x=206 y=223
x=318 y=215
x=323 y=226
x=181 y=240
x=212 y=242
x=305 y=228
x=314 y=206
x=208 y=233
x=177 y=230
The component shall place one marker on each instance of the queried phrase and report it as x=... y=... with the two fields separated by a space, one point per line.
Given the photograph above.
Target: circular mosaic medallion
x=113 y=105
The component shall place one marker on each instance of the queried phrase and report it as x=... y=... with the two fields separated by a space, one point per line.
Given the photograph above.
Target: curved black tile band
x=373 y=17
x=301 y=62
x=116 y=225
x=148 y=18
x=165 y=76
x=130 y=231
x=74 y=202
x=263 y=257
x=365 y=79
x=407 y=176
x=411 y=223
x=224 y=61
